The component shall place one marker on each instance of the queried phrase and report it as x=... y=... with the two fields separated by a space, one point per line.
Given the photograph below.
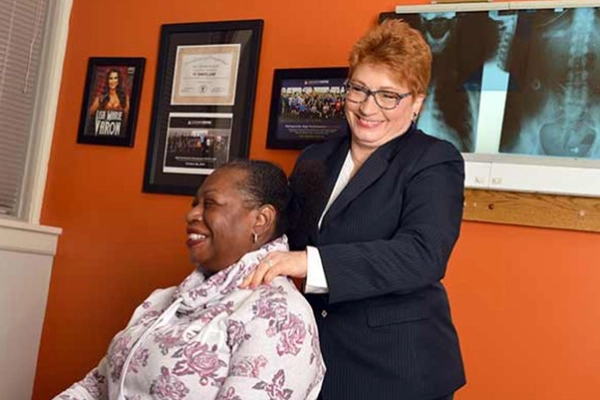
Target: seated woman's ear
x=265 y=223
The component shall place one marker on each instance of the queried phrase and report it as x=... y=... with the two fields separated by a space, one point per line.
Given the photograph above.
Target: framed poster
x=307 y=106
x=110 y=101
x=203 y=102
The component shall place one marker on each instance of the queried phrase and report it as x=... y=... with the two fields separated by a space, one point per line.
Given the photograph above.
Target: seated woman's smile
x=220 y=220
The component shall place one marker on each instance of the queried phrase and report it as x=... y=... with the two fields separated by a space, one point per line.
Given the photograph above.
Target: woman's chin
x=206 y=272
x=206 y=266
x=197 y=262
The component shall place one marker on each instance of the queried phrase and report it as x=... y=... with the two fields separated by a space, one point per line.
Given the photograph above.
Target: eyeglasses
x=385 y=99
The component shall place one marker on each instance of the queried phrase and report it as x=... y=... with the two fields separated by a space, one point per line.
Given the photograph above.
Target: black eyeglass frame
x=369 y=92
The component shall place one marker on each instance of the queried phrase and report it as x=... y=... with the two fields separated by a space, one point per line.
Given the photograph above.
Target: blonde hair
x=398 y=47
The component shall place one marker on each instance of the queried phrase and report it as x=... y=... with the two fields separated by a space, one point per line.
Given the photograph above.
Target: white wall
x=27 y=249
x=26 y=256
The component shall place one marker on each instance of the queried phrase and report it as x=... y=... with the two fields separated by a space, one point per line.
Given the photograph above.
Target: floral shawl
x=207 y=339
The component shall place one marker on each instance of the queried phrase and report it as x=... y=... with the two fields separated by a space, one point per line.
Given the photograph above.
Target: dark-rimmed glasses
x=385 y=99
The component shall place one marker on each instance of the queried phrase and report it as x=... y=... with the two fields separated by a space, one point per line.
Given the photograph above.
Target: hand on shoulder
x=277 y=263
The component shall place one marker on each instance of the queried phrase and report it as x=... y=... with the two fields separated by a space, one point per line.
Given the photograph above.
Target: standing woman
x=382 y=212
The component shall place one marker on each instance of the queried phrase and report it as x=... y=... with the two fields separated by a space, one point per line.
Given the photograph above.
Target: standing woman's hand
x=278 y=263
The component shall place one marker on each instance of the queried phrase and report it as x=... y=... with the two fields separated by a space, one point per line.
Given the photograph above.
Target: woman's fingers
x=247 y=281
x=260 y=272
x=273 y=271
x=257 y=276
x=291 y=264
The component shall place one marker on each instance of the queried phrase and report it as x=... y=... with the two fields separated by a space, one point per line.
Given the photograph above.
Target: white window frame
x=25 y=234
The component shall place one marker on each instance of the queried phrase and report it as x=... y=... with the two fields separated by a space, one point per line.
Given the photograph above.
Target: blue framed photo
x=307 y=106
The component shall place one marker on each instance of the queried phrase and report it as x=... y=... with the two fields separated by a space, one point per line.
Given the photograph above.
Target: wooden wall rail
x=533 y=209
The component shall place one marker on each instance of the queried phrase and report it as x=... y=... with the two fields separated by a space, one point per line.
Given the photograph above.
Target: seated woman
x=207 y=338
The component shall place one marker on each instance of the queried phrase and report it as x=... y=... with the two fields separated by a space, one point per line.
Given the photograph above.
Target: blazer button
x=324 y=313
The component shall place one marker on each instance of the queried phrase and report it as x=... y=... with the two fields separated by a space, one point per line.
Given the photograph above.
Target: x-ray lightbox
x=516 y=88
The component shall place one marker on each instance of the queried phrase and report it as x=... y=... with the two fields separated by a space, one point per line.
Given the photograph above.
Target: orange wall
x=524 y=300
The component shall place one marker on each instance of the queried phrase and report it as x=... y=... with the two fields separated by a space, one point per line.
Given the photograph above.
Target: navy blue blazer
x=385 y=327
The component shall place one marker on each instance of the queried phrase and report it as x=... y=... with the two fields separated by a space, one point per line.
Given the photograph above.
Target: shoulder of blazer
x=414 y=145
x=425 y=150
x=324 y=150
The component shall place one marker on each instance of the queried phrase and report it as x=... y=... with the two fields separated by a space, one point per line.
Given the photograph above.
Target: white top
x=316 y=282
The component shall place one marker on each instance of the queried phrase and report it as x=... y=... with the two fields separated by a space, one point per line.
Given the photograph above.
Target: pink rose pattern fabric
x=222 y=343
x=168 y=386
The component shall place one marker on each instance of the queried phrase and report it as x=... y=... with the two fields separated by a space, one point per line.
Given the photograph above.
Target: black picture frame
x=109 y=115
x=307 y=106
x=203 y=102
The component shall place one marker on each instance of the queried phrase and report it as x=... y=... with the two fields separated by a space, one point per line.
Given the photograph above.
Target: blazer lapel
x=333 y=165
x=370 y=171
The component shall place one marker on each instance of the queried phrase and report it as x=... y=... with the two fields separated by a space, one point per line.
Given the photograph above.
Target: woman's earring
x=415 y=116
x=254 y=237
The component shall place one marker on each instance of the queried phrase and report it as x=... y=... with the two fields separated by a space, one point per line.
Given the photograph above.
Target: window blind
x=21 y=31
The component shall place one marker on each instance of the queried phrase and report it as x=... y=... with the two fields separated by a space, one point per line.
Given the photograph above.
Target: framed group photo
x=307 y=106
x=110 y=101
x=203 y=102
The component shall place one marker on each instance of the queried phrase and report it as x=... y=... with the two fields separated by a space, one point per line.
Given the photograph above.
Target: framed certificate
x=203 y=102
x=206 y=74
